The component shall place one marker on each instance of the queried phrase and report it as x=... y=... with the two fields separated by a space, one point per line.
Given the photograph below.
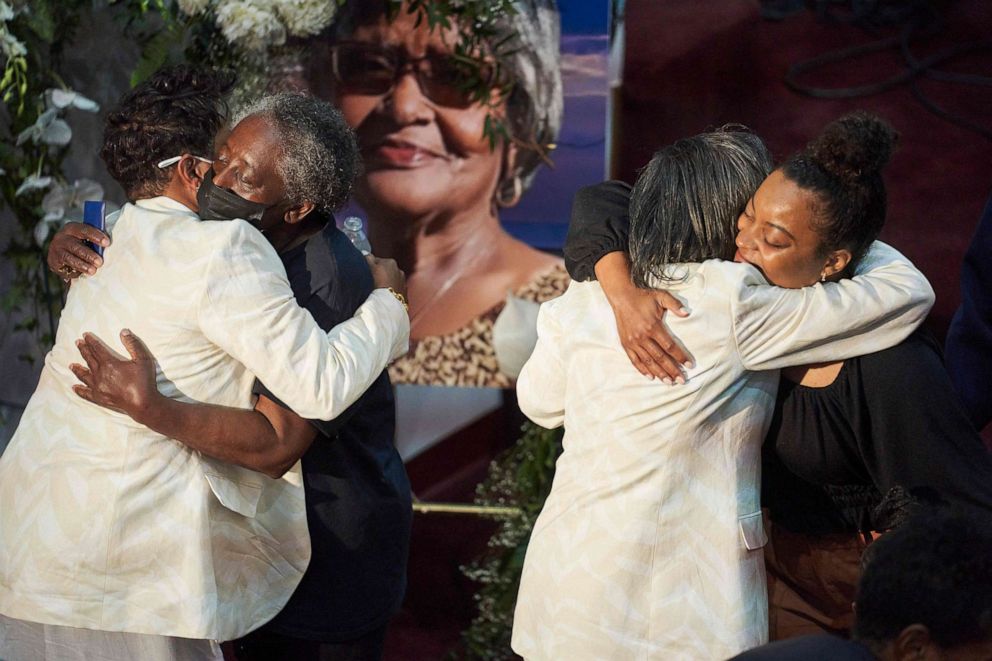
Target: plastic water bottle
x=352 y=229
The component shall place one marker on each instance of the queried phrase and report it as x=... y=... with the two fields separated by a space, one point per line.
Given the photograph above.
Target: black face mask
x=218 y=203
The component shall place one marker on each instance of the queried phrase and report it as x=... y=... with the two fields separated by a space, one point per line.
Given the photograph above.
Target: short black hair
x=178 y=110
x=934 y=570
x=842 y=167
x=686 y=201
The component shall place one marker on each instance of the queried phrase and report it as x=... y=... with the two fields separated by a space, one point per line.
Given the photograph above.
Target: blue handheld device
x=95 y=214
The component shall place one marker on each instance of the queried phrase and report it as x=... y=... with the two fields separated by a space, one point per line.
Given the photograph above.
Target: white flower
x=48 y=128
x=10 y=45
x=34 y=182
x=59 y=98
x=6 y=11
x=251 y=24
x=63 y=198
x=41 y=232
x=306 y=17
x=192 y=7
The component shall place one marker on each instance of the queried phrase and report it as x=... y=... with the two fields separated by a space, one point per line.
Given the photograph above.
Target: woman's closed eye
x=775 y=242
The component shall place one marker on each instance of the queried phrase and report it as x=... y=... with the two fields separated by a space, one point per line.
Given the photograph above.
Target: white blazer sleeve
x=541 y=385
x=878 y=308
x=249 y=311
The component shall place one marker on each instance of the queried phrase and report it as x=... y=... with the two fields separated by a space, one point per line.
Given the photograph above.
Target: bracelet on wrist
x=399 y=297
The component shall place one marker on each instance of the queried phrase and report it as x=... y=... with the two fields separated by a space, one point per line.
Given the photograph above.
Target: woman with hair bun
x=649 y=544
x=854 y=445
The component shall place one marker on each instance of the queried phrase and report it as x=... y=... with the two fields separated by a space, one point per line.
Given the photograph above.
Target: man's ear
x=913 y=644
x=298 y=212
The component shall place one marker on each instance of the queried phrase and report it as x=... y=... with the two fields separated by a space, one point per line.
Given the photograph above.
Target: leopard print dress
x=466 y=357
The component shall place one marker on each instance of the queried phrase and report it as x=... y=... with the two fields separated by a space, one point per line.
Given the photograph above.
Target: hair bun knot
x=854 y=147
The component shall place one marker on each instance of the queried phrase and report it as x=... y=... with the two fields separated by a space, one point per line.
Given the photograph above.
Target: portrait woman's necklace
x=449 y=282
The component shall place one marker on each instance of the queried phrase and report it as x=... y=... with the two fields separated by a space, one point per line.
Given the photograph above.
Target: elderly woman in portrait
x=433 y=184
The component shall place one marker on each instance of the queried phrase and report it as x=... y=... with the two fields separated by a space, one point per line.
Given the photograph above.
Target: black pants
x=265 y=646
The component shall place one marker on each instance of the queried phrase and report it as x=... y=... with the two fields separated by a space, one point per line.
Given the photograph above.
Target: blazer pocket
x=238 y=489
x=752 y=531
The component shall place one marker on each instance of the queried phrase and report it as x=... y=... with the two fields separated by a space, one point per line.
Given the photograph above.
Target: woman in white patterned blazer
x=116 y=541
x=649 y=545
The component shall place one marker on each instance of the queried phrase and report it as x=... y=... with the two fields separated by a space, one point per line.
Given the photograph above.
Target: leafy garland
x=243 y=35
x=522 y=478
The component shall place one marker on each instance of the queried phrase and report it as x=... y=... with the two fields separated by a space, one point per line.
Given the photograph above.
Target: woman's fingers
x=638 y=363
x=670 y=303
x=663 y=341
x=662 y=364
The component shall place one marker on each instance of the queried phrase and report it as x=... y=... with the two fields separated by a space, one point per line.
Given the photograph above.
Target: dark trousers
x=265 y=646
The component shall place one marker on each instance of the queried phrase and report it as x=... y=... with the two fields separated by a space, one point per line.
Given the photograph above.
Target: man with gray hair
x=289 y=161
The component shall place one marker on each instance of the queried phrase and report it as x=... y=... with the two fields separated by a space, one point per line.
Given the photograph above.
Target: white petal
x=30 y=133
x=57 y=133
x=54 y=215
x=82 y=103
x=46 y=118
x=41 y=231
x=61 y=98
x=56 y=200
x=86 y=189
x=34 y=182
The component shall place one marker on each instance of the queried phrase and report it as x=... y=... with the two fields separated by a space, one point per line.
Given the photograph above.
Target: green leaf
x=153 y=56
x=41 y=21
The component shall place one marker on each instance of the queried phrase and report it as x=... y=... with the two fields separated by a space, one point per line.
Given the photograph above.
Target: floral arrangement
x=260 y=25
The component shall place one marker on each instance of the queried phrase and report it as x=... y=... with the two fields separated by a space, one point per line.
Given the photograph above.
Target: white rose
x=251 y=24
x=306 y=17
x=192 y=7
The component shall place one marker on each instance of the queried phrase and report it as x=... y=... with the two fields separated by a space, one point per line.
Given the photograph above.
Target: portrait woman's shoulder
x=546 y=278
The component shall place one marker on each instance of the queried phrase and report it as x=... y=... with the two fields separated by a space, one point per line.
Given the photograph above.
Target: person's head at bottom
x=926 y=590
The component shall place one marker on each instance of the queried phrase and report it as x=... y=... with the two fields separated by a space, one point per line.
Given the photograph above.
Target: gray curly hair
x=536 y=103
x=320 y=159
